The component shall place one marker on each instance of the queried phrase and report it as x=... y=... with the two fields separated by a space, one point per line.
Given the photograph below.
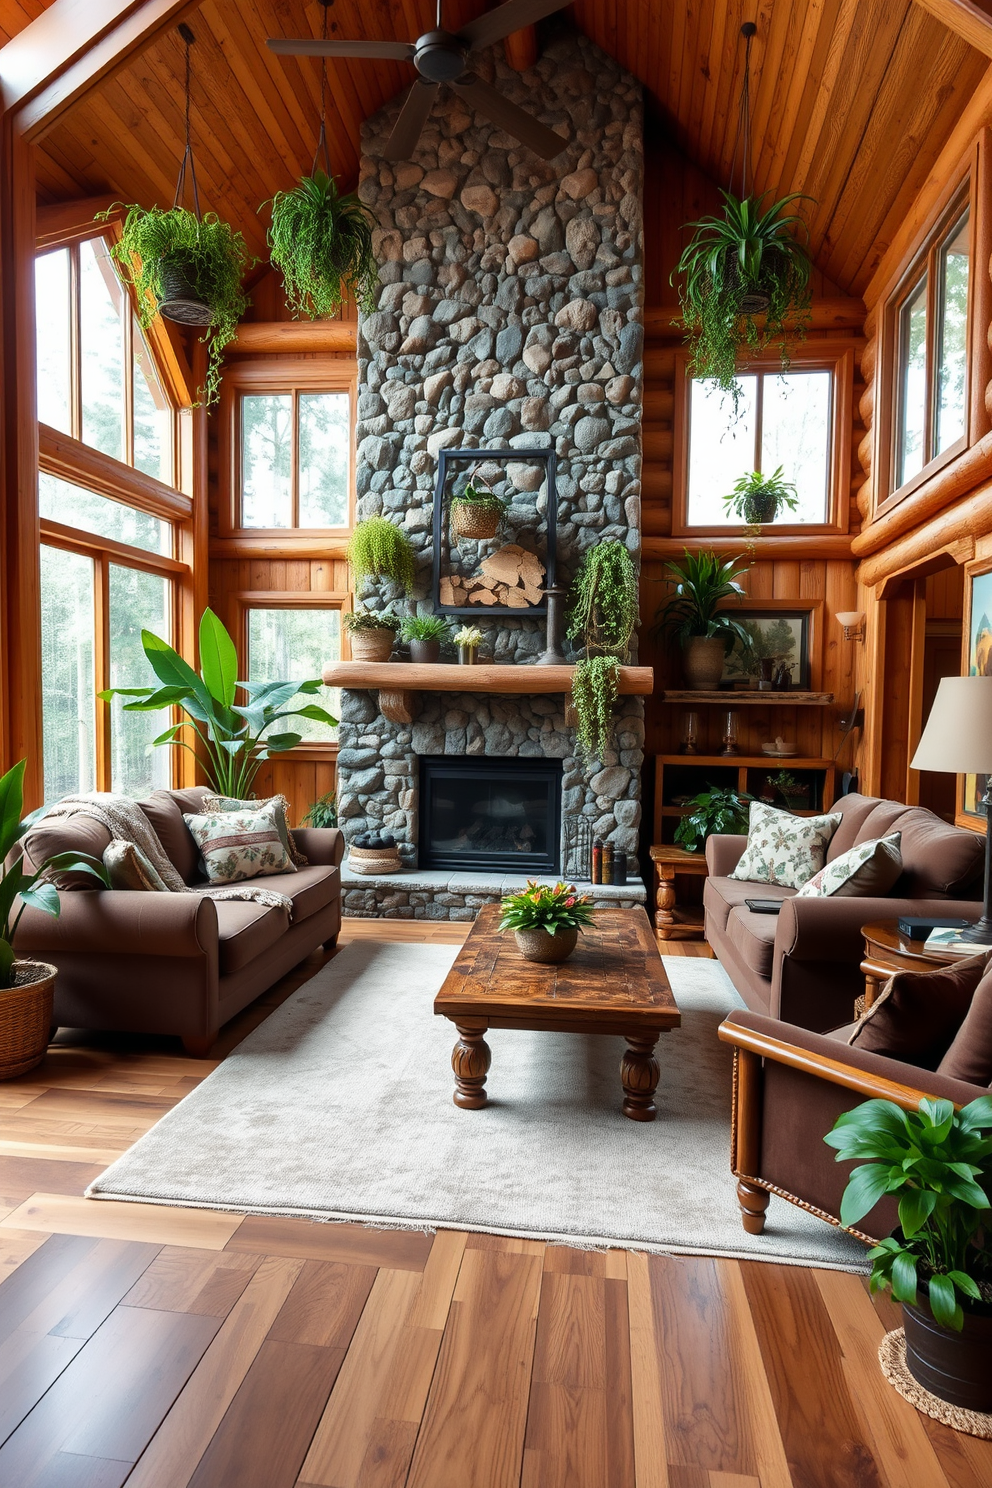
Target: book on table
x=951 y=943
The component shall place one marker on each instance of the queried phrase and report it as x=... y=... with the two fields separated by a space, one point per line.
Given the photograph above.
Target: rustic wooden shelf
x=408 y=676
x=751 y=699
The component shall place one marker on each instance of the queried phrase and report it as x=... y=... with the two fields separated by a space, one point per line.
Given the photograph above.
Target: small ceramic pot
x=425 y=652
x=26 y=1018
x=760 y=509
x=702 y=663
x=954 y=1366
x=467 y=655
x=372 y=645
x=542 y=946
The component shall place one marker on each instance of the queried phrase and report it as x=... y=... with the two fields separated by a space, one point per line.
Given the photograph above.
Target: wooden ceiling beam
x=965 y=19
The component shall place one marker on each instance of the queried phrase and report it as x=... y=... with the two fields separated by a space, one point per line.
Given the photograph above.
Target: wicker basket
x=473 y=521
x=372 y=645
x=374 y=860
x=26 y=1018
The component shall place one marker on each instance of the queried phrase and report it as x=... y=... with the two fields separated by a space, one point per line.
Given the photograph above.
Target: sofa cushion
x=280 y=808
x=165 y=815
x=867 y=870
x=128 y=868
x=78 y=833
x=310 y=889
x=970 y=1055
x=936 y=857
x=239 y=845
x=245 y=930
x=918 y=1013
x=721 y=895
x=852 y=810
x=753 y=938
x=783 y=848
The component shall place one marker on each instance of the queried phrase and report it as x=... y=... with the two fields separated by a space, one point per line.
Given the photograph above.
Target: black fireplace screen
x=490 y=813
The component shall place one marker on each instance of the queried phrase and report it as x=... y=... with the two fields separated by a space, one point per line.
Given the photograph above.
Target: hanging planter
x=477 y=514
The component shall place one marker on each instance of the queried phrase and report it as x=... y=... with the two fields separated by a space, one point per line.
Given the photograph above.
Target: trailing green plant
x=323 y=812
x=233 y=737
x=702 y=583
x=357 y=621
x=595 y=684
x=424 y=628
x=34 y=889
x=746 y=262
x=938 y=1163
x=714 y=810
x=604 y=601
x=211 y=254
x=550 y=907
x=378 y=549
x=322 y=244
x=758 y=498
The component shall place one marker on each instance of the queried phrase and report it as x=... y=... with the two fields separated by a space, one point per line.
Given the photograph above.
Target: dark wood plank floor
x=169 y=1348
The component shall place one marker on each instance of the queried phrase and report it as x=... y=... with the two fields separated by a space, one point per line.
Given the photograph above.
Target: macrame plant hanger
x=180 y=301
x=322 y=136
x=752 y=304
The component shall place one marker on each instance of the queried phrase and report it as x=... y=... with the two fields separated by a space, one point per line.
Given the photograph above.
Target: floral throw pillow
x=868 y=869
x=236 y=845
x=279 y=805
x=784 y=849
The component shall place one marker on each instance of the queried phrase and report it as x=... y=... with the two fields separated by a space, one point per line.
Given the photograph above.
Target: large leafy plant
x=713 y=810
x=745 y=263
x=938 y=1163
x=35 y=888
x=232 y=739
x=703 y=583
x=322 y=242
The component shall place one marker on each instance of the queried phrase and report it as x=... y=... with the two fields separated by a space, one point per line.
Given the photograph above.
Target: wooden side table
x=670 y=922
x=887 y=950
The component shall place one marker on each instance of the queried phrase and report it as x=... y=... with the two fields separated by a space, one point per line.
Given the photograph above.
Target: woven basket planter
x=372 y=645
x=374 y=860
x=473 y=521
x=26 y=1018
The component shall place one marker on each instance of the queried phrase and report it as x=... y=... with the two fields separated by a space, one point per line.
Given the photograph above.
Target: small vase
x=467 y=655
x=702 y=662
x=540 y=945
x=425 y=652
x=371 y=645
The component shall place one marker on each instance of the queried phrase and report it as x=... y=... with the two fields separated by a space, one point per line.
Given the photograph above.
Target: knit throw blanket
x=126 y=822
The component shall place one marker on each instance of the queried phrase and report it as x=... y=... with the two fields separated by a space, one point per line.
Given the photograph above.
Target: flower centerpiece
x=546 y=920
x=467 y=639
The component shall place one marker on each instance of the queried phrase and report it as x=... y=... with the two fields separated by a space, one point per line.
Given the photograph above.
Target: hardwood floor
x=171 y=1348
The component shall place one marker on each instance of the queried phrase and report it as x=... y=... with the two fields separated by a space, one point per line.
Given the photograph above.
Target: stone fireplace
x=508 y=316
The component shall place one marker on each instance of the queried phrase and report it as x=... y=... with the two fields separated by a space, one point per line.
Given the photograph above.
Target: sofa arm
x=829 y=928
x=723 y=853
x=324 y=846
x=121 y=922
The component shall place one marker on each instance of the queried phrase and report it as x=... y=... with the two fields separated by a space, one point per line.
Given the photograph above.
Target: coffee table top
x=613 y=975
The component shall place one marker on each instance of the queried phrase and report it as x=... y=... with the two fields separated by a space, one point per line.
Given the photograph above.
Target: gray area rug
x=339 y=1107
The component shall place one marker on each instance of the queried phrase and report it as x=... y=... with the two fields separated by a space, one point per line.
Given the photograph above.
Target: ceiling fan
x=443 y=57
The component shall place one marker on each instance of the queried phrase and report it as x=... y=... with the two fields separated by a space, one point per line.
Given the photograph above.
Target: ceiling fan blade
x=506 y=115
x=493 y=25
x=413 y=116
x=312 y=46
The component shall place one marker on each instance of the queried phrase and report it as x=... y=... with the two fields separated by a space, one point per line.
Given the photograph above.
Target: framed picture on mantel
x=495 y=520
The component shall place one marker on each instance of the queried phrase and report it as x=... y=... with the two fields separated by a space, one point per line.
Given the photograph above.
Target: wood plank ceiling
x=853 y=100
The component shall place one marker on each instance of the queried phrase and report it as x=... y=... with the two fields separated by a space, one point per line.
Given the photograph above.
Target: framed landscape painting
x=779 y=635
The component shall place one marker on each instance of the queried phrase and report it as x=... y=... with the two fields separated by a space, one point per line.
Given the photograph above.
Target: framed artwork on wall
x=779 y=649
x=976 y=662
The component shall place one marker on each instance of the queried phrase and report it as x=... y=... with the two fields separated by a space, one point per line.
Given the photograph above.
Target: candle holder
x=730 y=734
x=690 y=734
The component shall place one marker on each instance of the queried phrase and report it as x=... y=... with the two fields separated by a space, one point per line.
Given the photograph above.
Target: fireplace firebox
x=490 y=813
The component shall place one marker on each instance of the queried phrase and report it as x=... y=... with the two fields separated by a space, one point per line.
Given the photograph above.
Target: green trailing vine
x=603 y=601
x=322 y=243
x=595 y=684
x=378 y=549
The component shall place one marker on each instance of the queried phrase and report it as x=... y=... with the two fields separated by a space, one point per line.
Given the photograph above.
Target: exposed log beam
x=290 y=337
x=63 y=221
x=969 y=21
x=842 y=312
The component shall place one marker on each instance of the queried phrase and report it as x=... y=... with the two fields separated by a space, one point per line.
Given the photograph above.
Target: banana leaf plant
x=231 y=738
x=34 y=888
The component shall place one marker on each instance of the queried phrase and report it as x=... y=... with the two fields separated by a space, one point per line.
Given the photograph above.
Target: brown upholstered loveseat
x=803 y=965
x=174 y=963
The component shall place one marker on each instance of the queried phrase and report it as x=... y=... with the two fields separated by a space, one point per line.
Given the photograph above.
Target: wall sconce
x=853 y=622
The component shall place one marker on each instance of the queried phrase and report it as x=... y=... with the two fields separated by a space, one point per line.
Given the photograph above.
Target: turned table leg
x=639 y=1075
x=665 y=917
x=470 y=1060
x=753 y=1202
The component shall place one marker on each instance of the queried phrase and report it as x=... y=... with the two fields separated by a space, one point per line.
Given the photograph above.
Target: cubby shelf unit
x=736 y=772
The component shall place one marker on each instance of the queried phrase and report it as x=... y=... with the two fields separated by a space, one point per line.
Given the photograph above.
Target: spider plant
x=322 y=242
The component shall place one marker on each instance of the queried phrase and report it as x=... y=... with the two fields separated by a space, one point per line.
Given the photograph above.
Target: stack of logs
x=511 y=578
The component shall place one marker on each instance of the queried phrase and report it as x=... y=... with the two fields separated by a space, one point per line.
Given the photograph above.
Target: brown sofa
x=803 y=965
x=174 y=963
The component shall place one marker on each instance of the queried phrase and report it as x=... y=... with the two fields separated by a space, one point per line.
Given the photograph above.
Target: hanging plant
x=379 y=550
x=595 y=684
x=322 y=243
x=603 y=600
x=758 y=498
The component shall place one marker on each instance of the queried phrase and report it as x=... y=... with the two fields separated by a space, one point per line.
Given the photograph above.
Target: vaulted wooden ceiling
x=853 y=100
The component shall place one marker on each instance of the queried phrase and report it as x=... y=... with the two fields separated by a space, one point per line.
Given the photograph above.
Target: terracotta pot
x=26 y=1018
x=702 y=663
x=179 y=300
x=478 y=522
x=542 y=946
x=372 y=645
x=425 y=651
x=953 y=1366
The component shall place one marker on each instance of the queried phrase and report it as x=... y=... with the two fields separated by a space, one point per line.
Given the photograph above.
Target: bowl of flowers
x=546 y=920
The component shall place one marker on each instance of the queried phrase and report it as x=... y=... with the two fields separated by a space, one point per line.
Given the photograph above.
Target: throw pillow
x=281 y=807
x=784 y=849
x=236 y=845
x=869 y=868
x=917 y=1015
x=128 y=868
x=970 y=1055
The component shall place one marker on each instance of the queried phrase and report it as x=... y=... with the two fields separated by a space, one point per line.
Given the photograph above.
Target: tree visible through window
x=295 y=459
x=287 y=643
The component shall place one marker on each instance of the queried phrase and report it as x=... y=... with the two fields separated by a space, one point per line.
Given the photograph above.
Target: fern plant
x=604 y=600
x=378 y=549
x=322 y=243
x=595 y=684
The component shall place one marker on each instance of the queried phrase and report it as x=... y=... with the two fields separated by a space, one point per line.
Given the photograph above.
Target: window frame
x=279 y=377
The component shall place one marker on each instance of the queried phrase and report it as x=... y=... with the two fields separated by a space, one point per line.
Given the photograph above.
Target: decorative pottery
x=26 y=1018
x=179 y=301
x=702 y=662
x=476 y=522
x=372 y=645
x=954 y=1366
x=425 y=652
x=367 y=860
x=542 y=946
x=467 y=655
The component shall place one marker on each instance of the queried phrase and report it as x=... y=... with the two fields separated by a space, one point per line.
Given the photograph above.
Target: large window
x=295 y=459
x=287 y=644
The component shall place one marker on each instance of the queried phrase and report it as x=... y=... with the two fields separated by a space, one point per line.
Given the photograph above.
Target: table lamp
x=958 y=741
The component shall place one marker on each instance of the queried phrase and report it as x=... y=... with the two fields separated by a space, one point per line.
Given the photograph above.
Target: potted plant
x=322 y=243
x=424 y=634
x=714 y=810
x=595 y=684
x=468 y=640
x=794 y=792
x=758 y=498
x=476 y=513
x=188 y=269
x=546 y=920
x=692 y=615
x=745 y=263
x=938 y=1163
x=323 y=812
x=378 y=549
x=604 y=601
x=27 y=987
x=231 y=739
x=372 y=635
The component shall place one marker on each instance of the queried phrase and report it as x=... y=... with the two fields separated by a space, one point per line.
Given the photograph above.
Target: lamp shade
x=958 y=735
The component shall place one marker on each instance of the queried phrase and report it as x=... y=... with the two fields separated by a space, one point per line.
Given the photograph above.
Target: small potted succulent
x=758 y=498
x=937 y=1162
x=378 y=549
x=372 y=635
x=424 y=633
x=477 y=513
x=546 y=920
x=714 y=810
x=468 y=640
x=703 y=582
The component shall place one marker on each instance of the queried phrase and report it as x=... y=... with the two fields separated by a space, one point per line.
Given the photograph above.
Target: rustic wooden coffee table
x=613 y=982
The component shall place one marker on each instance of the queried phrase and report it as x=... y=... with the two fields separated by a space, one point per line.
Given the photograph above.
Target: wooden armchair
x=790 y=1086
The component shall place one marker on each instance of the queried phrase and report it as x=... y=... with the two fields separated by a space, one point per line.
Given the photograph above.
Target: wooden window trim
x=71 y=460
x=835 y=356
x=278 y=377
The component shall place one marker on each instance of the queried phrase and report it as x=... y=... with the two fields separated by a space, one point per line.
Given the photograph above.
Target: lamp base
x=979 y=933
